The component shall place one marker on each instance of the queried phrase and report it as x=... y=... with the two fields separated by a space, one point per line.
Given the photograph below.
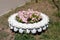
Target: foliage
x=28 y=16
x=18 y=19
x=24 y=37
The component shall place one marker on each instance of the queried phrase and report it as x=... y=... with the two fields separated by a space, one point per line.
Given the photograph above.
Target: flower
x=24 y=20
x=29 y=15
x=20 y=14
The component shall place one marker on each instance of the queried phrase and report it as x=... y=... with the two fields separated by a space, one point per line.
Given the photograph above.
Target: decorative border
x=33 y=28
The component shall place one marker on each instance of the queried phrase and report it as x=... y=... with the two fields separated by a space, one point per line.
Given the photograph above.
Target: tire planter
x=28 y=28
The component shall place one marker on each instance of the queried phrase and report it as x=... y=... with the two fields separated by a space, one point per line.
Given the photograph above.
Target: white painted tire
x=13 y=24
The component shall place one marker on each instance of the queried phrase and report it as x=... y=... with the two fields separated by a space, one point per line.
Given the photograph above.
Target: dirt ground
x=41 y=6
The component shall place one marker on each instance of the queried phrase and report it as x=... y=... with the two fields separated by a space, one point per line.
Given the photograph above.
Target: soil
x=42 y=6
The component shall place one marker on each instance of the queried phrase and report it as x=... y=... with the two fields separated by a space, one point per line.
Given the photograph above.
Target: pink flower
x=24 y=20
x=24 y=15
x=20 y=13
x=33 y=18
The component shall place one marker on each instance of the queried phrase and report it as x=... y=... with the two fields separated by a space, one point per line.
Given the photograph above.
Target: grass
x=24 y=37
x=58 y=14
x=3 y=35
x=52 y=33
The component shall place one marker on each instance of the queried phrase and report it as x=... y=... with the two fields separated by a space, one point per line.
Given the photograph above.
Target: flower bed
x=28 y=27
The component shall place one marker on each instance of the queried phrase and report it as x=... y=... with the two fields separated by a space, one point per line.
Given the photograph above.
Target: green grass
x=57 y=14
x=53 y=31
x=24 y=37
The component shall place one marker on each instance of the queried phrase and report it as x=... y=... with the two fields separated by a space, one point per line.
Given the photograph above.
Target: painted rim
x=21 y=27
